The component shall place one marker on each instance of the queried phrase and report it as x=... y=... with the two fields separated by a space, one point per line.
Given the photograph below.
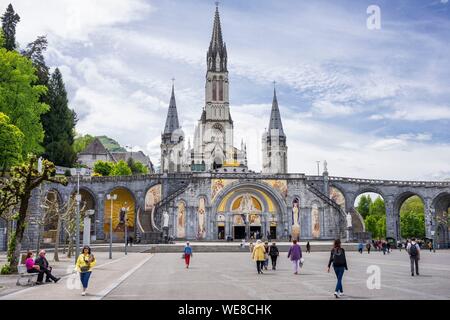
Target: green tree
x=11 y=142
x=59 y=124
x=377 y=207
x=371 y=225
x=9 y=22
x=35 y=52
x=381 y=226
x=364 y=204
x=137 y=167
x=103 y=168
x=23 y=180
x=412 y=218
x=81 y=142
x=120 y=169
x=2 y=39
x=19 y=98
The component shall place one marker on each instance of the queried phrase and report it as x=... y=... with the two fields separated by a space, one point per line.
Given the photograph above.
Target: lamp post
x=77 y=171
x=111 y=197
x=125 y=222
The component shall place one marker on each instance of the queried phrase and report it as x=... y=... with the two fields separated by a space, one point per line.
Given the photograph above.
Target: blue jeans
x=339 y=273
x=84 y=277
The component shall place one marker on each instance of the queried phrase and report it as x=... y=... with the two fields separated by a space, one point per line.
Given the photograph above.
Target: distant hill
x=111 y=144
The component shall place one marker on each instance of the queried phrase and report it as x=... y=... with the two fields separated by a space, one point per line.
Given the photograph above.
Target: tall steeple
x=275 y=118
x=274 y=142
x=172 y=123
x=216 y=58
x=172 y=140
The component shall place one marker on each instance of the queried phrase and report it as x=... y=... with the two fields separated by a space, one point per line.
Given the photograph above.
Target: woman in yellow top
x=85 y=263
x=258 y=255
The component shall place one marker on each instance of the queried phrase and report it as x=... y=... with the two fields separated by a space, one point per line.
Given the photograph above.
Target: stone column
x=430 y=221
x=228 y=218
x=392 y=224
x=100 y=221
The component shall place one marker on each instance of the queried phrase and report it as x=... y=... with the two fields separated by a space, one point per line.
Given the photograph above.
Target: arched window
x=214 y=89
x=221 y=88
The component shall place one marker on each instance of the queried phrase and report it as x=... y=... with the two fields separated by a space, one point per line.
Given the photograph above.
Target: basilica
x=213 y=146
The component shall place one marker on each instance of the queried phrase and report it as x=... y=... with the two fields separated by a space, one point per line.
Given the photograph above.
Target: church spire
x=216 y=58
x=172 y=115
x=275 y=118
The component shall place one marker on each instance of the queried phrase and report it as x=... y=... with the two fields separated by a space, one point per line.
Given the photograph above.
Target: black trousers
x=48 y=273
x=259 y=265
x=274 y=261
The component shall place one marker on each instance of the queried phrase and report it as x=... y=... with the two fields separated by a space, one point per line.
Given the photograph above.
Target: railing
x=393 y=182
x=164 y=202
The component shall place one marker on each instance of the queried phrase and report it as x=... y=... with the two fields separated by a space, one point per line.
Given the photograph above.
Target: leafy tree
x=9 y=22
x=137 y=167
x=371 y=225
x=381 y=227
x=19 y=98
x=35 y=52
x=412 y=218
x=103 y=168
x=2 y=39
x=24 y=179
x=378 y=207
x=59 y=124
x=11 y=142
x=81 y=142
x=120 y=169
x=364 y=205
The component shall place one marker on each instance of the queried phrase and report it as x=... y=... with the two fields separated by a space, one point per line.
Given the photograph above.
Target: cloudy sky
x=375 y=103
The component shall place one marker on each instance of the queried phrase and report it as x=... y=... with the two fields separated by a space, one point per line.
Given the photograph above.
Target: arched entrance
x=441 y=205
x=371 y=207
x=123 y=210
x=88 y=203
x=248 y=210
x=410 y=208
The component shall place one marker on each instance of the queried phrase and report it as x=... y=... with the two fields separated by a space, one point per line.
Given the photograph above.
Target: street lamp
x=77 y=171
x=111 y=197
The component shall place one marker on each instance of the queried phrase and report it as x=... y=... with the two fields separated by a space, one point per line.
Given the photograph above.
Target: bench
x=22 y=271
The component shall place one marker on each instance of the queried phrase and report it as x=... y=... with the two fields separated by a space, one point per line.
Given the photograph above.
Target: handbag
x=84 y=269
x=302 y=260
x=183 y=256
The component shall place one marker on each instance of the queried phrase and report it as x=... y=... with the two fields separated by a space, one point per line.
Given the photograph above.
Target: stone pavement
x=106 y=273
x=227 y=275
x=233 y=276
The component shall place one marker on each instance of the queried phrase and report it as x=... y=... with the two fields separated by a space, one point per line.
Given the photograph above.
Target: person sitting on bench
x=33 y=268
x=45 y=268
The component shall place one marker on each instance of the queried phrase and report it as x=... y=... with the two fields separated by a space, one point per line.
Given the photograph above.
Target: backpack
x=413 y=250
x=338 y=257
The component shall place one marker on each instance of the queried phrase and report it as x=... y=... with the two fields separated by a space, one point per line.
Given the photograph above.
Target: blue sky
x=373 y=103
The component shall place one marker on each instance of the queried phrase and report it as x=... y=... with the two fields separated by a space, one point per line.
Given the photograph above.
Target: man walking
x=414 y=255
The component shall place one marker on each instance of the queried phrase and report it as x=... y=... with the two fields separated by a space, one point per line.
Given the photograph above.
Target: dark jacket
x=273 y=251
x=342 y=260
x=41 y=262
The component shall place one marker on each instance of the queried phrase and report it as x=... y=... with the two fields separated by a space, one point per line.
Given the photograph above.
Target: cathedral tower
x=172 y=140
x=274 y=142
x=213 y=140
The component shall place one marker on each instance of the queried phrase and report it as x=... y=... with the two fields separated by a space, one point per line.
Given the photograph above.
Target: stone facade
x=274 y=194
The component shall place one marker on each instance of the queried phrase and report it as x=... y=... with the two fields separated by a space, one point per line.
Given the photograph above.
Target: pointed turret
x=172 y=123
x=216 y=58
x=275 y=118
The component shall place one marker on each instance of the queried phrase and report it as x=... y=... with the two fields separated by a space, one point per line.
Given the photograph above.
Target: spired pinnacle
x=172 y=115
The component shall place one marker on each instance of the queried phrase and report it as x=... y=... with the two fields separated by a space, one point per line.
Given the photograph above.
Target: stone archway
x=253 y=207
x=399 y=202
x=441 y=208
x=123 y=206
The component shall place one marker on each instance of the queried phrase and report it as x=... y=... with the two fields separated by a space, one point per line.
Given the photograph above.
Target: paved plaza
x=227 y=275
